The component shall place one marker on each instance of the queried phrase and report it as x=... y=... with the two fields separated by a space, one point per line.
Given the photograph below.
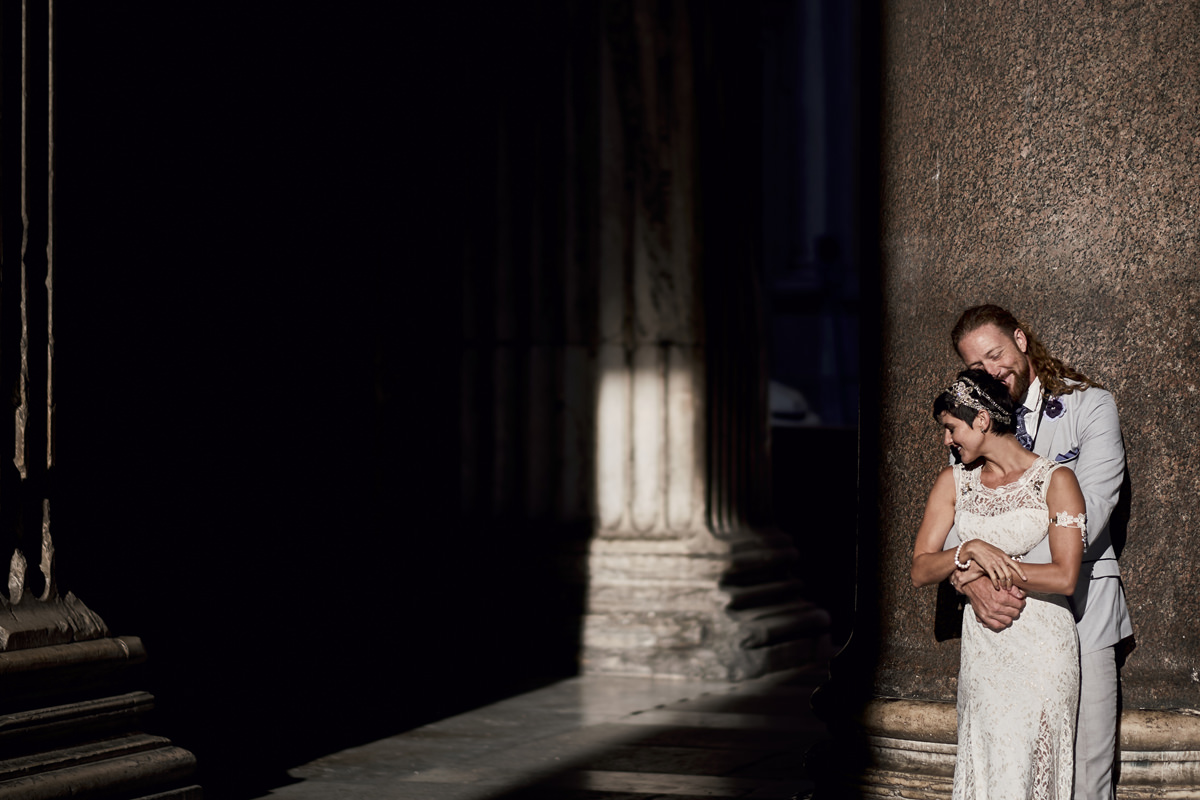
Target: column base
x=38 y=623
x=906 y=749
x=1160 y=755
x=70 y=728
x=698 y=608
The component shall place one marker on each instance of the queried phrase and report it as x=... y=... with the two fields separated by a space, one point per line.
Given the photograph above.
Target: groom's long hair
x=1053 y=373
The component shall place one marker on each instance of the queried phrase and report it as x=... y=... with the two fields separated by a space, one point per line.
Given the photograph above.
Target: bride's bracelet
x=957 y=553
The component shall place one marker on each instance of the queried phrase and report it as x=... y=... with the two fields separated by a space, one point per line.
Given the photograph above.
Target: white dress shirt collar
x=1033 y=401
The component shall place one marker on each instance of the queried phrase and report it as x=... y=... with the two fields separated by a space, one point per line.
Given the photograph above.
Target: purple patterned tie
x=1022 y=434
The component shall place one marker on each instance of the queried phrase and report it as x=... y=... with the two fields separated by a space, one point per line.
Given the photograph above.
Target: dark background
x=256 y=373
x=257 y=346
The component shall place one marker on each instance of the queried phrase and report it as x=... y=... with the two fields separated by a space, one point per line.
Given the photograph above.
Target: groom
x=1070 y=419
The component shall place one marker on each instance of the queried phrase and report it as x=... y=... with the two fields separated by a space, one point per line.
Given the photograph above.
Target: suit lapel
x=1053 y=440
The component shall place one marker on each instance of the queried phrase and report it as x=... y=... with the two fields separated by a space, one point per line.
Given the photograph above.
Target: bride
x=1018 y=689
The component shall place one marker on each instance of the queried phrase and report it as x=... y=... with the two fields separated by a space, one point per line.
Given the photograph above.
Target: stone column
x=70 y=720
x=685 y=578
x=1042 y=157
x=611 y=343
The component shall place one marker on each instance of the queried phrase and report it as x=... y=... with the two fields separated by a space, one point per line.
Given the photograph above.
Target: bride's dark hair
x=974 y=390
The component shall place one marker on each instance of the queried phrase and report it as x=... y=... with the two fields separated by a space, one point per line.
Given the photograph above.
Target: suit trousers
x=1096 y=731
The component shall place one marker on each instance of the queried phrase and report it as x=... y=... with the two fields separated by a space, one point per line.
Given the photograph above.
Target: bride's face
x=960 y=437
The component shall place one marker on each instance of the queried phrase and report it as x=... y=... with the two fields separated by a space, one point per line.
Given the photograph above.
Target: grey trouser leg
x=1096 y=732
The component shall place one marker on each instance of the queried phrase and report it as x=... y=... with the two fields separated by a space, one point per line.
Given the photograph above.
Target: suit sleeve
x=1100 y=467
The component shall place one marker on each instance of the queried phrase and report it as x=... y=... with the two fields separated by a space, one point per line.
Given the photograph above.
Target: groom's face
x=1001 y=355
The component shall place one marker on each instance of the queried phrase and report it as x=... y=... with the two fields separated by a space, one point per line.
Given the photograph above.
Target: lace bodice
x=1013 y=517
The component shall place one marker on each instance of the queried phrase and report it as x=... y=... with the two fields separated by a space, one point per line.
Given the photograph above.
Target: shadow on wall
x=815 y=491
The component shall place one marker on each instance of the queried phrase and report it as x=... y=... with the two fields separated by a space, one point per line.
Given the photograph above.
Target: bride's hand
x=1000 y=568
x=961 y=577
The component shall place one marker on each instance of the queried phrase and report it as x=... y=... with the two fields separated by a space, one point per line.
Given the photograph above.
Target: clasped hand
x=996 y=601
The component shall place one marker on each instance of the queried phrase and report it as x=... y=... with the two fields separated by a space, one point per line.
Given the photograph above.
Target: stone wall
x=1045 y=159
x=1041 y=157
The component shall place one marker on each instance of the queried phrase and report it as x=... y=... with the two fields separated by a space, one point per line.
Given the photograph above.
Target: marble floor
x=593 y=738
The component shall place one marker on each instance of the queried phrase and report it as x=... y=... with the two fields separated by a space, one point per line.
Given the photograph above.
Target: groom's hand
x=995 y=608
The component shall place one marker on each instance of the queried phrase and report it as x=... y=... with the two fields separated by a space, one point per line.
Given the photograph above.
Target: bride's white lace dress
x=1018 y=689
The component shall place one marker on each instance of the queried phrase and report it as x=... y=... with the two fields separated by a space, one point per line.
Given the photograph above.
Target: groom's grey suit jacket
x=1086 y=437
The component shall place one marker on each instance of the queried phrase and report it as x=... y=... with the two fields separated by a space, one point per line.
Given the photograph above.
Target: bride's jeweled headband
x=965 y=392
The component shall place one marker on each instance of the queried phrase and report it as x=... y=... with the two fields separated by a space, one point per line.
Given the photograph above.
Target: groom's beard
x=1021 y=380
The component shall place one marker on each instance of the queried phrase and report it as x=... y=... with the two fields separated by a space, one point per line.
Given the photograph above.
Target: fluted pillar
x=685 y=577
x=1042 y=159
x=613 y=389
x=70 y=719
